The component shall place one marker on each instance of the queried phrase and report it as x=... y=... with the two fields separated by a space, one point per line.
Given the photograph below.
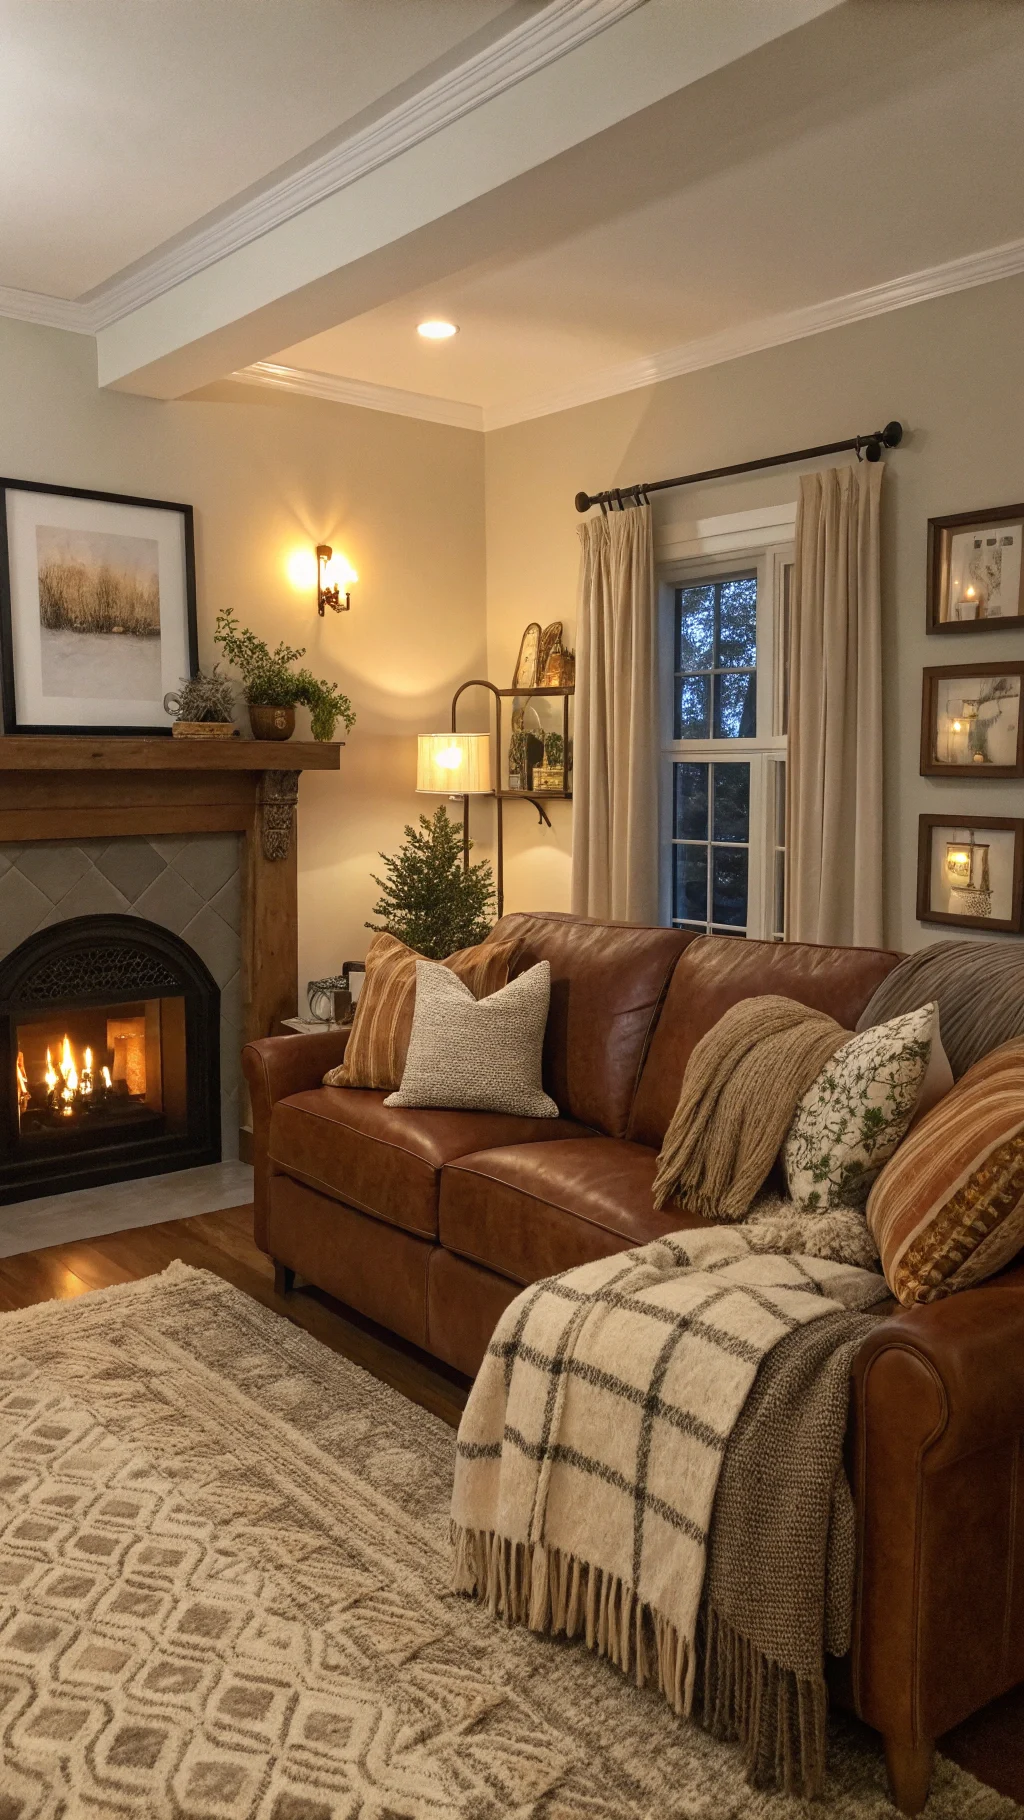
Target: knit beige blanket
x=740 y=1093
x=591 y=1446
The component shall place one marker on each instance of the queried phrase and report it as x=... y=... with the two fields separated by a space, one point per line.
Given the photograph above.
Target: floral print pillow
x=858 y=1110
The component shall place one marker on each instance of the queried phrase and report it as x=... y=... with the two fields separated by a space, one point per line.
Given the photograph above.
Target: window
x=724 y=810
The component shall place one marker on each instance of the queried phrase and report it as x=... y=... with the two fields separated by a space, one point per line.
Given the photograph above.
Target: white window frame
x=707 y=550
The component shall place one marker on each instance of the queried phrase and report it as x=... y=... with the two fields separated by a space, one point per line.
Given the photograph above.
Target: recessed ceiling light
x=434 y=330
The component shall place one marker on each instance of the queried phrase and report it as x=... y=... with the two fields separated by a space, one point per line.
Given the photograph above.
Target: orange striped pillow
x=948 y=1210
x=376 y=1050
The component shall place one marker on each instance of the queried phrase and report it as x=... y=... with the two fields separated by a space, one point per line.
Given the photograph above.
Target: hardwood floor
x=223 y=1242
x=990 y=1745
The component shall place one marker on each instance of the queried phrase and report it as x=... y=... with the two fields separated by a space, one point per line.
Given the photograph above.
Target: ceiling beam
x=408 y=217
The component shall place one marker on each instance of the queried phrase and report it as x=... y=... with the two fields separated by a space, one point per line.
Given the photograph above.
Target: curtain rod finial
x=892 y=435
x=583 y=502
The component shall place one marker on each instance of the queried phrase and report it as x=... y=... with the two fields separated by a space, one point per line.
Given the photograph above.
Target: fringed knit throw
x=591 y=1446
x=739 y=1096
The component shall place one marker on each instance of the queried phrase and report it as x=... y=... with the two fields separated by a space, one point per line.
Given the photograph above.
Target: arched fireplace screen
x=109 y=1055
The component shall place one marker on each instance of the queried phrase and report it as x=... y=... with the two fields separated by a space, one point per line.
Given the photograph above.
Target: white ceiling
x=881 y=139
x=122 y=122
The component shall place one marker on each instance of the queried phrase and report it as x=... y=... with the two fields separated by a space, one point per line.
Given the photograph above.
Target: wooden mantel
x=80 y=753
x=73 y=787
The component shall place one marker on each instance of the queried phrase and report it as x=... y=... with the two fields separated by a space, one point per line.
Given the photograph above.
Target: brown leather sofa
x=431 y=1222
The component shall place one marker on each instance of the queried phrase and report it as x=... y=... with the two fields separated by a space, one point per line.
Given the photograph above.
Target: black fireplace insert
x=110 y=1051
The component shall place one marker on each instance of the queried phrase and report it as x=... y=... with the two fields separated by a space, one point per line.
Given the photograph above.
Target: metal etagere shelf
x=527 y=793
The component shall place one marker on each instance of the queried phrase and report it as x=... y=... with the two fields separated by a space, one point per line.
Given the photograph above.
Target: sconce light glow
x=436 y=330
x=301 y=569
x=335 y=576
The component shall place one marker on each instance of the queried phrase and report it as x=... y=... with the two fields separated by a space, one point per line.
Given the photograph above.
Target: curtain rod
x=868 y=448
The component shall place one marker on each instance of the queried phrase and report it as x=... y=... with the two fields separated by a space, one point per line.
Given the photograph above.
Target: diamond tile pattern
x=190 y=884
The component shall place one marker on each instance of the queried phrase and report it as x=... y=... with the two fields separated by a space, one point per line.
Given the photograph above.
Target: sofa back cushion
x=608 y=982
x=717 y=971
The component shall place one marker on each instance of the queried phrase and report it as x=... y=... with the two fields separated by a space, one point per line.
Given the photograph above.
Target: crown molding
x=963 y=274
x=361 y=393
x=556 y=31
x=49 y=312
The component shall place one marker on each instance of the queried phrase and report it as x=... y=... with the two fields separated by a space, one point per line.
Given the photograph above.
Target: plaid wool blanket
x=592 y=1443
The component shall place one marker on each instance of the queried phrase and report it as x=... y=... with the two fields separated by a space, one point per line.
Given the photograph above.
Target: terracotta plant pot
x=272 y=723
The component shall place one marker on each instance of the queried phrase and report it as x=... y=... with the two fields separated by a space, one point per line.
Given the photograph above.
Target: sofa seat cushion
x=530 y=1210
x=387 y=1160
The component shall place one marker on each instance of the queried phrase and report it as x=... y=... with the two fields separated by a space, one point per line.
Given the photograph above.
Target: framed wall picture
x=970 y=871
x=971 y=720
x=975 y=575
x=97 y=609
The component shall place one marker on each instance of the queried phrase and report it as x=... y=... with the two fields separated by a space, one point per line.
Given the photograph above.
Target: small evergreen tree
x=427 y=900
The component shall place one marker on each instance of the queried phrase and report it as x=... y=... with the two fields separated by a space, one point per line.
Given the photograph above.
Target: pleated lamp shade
x=454 y=764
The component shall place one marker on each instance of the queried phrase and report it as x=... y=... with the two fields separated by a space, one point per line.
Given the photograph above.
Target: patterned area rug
x=224 y=1578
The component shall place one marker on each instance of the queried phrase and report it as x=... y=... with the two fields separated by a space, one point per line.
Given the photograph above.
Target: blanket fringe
x=778 y=1717
x=546 y=1590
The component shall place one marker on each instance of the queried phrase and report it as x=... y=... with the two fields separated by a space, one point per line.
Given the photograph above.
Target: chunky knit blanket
x=590 y=1450
x=739 y=1096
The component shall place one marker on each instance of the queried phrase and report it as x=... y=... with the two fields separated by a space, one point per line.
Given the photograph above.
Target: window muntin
x=716 y=659
x=711 y=845
x=724 y=647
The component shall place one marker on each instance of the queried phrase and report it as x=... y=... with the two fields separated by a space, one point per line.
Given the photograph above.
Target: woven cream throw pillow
x=478 y=1055
x=375 y=1052
x=948 y=1211
x=852 y=1117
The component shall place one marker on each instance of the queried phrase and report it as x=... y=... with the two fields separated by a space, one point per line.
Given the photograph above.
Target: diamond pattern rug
x=224 y=1574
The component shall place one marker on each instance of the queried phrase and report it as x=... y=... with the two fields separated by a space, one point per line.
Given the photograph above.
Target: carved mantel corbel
x=277 y=797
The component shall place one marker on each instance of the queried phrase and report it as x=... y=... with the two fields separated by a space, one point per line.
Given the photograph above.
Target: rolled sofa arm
x=936 y=1429
x=276 y=1067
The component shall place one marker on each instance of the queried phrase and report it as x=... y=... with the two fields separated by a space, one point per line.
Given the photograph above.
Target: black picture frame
x=12 y=724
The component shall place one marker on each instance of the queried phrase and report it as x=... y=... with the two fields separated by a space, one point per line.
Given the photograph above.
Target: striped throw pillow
x=376 y=1050
x=948 y=1210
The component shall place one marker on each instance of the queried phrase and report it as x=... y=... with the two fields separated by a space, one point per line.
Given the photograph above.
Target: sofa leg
x=284 y=1278
x=910 y=1772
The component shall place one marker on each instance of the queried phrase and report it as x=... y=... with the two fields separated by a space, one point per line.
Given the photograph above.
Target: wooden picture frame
x=975 y=571
x=988 y=719
x=939 y=881
x=74 y=562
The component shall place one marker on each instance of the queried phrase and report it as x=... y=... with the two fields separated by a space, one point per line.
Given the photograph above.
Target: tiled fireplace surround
x=190 y=884
x=195 y=835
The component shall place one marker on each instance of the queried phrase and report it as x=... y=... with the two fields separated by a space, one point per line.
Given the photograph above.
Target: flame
x=50 y=1077
x=106 y=1077
x=67 y=1060
x=23 y=1092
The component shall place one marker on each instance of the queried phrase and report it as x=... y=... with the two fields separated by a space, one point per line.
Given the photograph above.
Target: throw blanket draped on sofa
x=589 y=1456
x=739 y=1096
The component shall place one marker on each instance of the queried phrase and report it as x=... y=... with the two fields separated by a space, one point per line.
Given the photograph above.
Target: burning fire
x=73 y=1083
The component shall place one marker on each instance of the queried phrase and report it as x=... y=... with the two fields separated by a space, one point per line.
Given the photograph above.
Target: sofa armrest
x=936 y=1430
x=276 y=1067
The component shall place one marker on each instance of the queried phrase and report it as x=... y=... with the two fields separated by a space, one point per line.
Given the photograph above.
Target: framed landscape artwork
x=970 y=872
x=97 y=609
x=971 y=721
x=975 y=575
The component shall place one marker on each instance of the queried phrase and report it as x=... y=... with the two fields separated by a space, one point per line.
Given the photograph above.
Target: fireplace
x=109 y=1048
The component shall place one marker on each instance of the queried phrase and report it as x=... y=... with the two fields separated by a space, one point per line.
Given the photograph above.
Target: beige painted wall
x=267 y=474
x=952 y=370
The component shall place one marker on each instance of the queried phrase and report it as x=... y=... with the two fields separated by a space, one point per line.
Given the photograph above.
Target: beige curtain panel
x=834 y=770
x=615 y=776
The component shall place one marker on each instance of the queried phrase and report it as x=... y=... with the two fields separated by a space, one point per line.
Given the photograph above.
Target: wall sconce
x=333 y=574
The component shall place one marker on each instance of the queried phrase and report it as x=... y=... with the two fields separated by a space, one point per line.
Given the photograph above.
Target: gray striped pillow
x=978 y=987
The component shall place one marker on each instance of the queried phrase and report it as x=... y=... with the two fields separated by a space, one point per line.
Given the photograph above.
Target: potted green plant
x=273 y=688
x=203 y=706
x=428 y=899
